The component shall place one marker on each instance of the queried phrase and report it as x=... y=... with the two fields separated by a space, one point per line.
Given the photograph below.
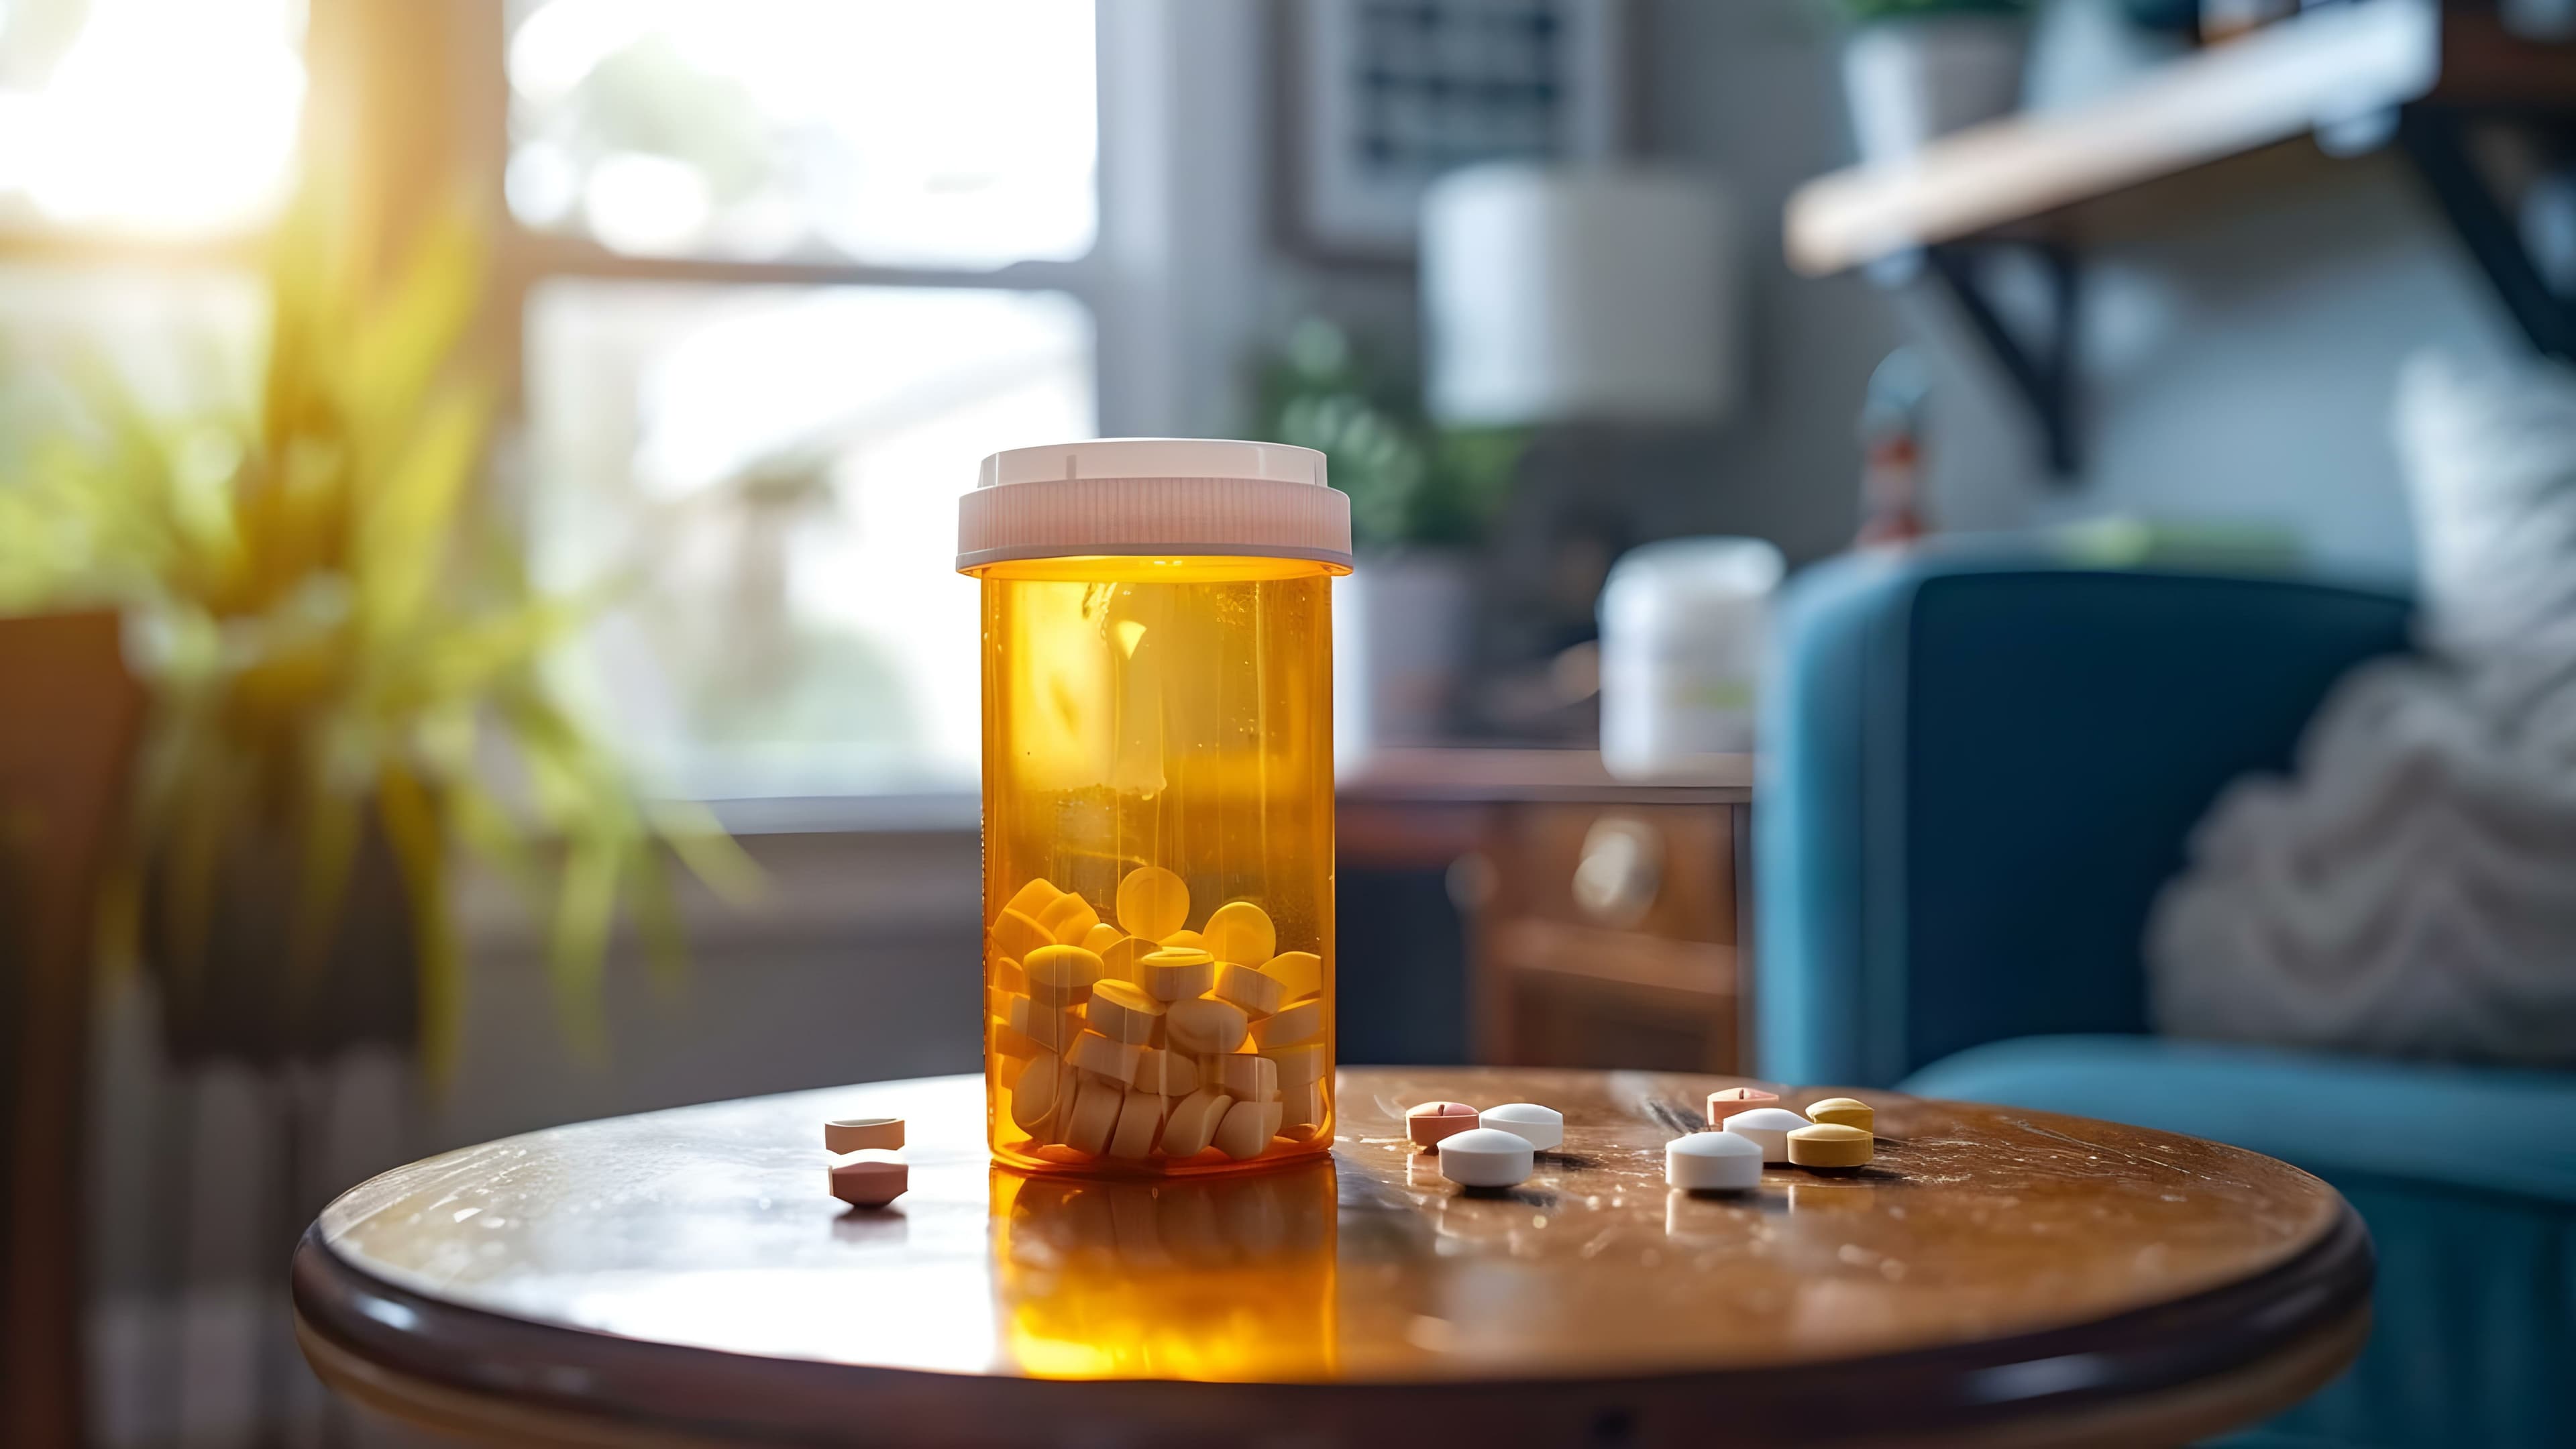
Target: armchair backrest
x=1976 y=774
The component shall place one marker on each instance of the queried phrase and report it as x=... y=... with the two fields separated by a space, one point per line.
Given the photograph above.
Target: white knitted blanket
x=2411 y=890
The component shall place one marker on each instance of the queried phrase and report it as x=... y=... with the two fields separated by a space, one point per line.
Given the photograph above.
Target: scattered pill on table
x=860 y=1134
x=1541 y=1127
x=1713 y=1162
x=1727 y=1101
x=1428 y=1122
x=1830 y=1144
x=1844 y=1112
x=1769 y=1127
x=1486 y=1157
x=870 y=1181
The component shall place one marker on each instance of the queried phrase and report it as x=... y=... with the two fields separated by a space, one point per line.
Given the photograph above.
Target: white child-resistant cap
x=1145 y=496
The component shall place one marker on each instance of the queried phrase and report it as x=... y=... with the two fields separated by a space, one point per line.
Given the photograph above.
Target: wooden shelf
x=2329 y=65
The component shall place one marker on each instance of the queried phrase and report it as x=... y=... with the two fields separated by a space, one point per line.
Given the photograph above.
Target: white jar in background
x=1684 y=624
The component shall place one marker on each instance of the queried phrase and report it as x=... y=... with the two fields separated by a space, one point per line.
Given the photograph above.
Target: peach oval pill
x=1034 y=1092
x=1486 y=1157
x=1069 y=919
x=1830 y=1144
x=861 y=1134
x=1166 y=1073
x=1152 y=902
x=1769 y=1128
x=1427 y=1122
x=1031 y=900
x=1844 y=1112
x=1247 y=1129
x=1017 y=934
x=1727 y=1101
x=1240 y=931
x=1140 y=1117
x=1112 y=1060
x=1096 y=1104
x=1205 y=1028
x=1192 y=1122
x=1248 y=1079
x=1301 y=973
x=870 y=1182
x=1121 y=1011
x=1303 y=1022
x=1713 y=1162
x=1177 y=974
x=1249 y=987
x=1298 y=1065
x=1541 y=1127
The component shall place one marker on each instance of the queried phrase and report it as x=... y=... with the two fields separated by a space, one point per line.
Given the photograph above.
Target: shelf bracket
x=2435 y=140
x=2044 y=373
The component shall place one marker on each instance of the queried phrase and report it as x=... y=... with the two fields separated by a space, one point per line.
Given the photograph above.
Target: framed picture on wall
x=1384 y=95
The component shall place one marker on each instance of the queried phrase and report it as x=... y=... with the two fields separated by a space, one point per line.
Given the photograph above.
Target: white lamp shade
x=1564 y=294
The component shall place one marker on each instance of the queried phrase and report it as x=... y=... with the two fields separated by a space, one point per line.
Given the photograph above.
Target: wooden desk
x=2000 y=1276
x=1605 y=920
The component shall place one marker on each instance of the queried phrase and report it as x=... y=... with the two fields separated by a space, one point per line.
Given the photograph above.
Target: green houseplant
x=347 y=668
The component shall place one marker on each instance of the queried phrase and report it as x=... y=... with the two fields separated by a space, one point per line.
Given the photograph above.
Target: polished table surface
x=1998 y=1275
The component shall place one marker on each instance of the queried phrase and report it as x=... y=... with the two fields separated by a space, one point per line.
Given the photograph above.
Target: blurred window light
x=161 y=117
x=773 y=473
x=958 y=134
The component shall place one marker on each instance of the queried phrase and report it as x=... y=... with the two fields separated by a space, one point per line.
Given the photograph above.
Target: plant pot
x=1909 y=81
x=1402 y=625
x=231 y=990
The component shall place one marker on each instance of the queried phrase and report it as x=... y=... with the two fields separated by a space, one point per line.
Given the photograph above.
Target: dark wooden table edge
x=2309 y=1312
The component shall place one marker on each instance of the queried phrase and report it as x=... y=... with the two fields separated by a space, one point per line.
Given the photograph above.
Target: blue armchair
x=1978 y=770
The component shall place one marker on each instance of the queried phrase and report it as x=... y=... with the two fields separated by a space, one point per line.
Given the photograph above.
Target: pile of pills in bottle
x=1138 y=1038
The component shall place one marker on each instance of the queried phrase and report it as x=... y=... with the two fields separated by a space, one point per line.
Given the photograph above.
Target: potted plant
x=1421 y=494
x=1917 y=69
x=346 y=666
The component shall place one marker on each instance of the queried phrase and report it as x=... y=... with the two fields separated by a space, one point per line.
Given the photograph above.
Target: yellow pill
x=1069 y=919
x=1140 y=1117
x=1167 y=1073
x=1016 y=934
x=1118 y=963
x=1121 y=1011
x=1007 y=975
x=1298 y=1065
x=1256 y=991
x=1241 y=932
x=1094 y=1115
x=1192 y=1122
x=1204 y=1028
x=1303 y=1022
x=1830 y=1144
x=1048 y=1026
x=1101 y=1057
x=1185 y=941
x=1844 y=1112
x=1036 y=1091
x=1176 y=975
x=1061 y=976
x=1032 y=899
x=1247 y=1129
x=1248 y=1079
x=1301 y=972
x=1099 y=939
x=1010 y=1042
x=1153 y=902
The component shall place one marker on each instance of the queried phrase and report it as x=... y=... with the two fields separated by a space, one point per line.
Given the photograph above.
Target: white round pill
x=1768 y=1126
x=1713 y=1162
x=1541 y=1127
x=1485 y=1157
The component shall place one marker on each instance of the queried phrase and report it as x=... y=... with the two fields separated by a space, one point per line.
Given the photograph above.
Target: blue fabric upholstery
x=1978 y=769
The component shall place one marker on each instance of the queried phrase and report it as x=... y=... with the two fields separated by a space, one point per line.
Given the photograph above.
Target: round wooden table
x=1998 y=1276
